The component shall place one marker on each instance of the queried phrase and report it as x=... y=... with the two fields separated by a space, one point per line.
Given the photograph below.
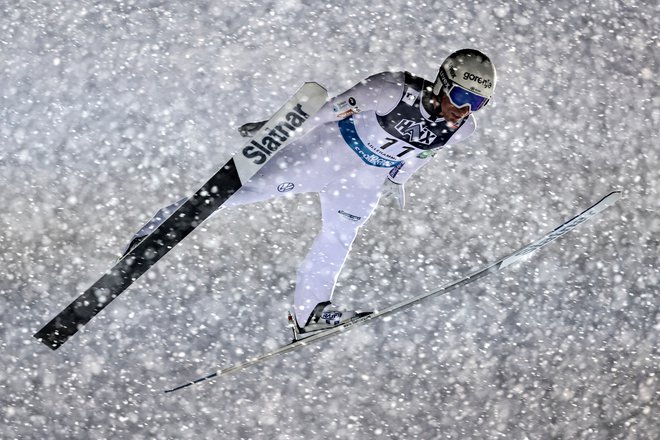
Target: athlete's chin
x=453 y=119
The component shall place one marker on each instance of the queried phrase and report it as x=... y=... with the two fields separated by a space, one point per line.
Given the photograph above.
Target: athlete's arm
x=380 y=92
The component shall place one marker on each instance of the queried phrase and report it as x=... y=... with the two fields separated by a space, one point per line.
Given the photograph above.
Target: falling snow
x=111 y=110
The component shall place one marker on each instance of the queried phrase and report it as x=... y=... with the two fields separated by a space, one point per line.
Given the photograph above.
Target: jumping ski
x=274 y=135
x=510 y=259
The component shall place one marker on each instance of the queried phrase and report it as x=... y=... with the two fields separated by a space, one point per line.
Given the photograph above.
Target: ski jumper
x=376 y=130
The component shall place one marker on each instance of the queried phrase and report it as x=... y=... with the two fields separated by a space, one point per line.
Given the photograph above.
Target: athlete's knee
x=341 y=233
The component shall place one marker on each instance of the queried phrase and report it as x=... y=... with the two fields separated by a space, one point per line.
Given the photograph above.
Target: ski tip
x=615 y=195
x=171 y=390
x=51 y=345
x=51 y=339
x=189 y=384
x=611 y=198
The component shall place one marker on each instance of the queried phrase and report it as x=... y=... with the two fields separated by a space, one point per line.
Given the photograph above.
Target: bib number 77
x=392 y=141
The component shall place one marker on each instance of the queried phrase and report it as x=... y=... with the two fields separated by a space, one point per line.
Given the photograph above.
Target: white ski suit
x=376 y=130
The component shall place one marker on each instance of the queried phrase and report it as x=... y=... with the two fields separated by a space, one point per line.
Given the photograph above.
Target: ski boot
x=153 y=224
x=322 y=318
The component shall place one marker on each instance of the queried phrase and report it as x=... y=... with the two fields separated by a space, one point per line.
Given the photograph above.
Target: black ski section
x=284 y=125
x=136 y=262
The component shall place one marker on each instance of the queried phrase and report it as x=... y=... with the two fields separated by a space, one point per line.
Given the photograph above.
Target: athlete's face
x=450 y=112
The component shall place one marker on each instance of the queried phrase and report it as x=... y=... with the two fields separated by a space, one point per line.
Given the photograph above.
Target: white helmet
x=467 y=77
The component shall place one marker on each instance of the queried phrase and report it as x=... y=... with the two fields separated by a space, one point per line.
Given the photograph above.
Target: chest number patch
x=392 y=141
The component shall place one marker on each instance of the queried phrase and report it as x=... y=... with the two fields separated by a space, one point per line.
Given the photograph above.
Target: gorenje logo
x=483 y=81
x=415 y=132
x=259 y=151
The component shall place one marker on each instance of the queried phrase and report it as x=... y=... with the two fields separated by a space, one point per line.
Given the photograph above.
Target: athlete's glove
x=395 y=190
x=249 y=129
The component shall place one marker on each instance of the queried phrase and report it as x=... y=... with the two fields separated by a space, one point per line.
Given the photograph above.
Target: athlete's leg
x=300 y=167
x=346 y=205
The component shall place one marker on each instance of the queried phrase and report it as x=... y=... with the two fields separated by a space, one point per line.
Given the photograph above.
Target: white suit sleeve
x=380 y=92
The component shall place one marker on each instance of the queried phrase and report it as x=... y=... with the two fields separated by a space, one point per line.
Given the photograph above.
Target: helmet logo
x=452 y=71
x=479 y=80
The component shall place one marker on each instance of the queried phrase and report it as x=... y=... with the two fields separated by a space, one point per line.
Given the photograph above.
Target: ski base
x=514 y=257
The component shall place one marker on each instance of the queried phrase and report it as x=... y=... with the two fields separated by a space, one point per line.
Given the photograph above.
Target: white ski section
x=311 y=97
x=608 y=200
x=514 y=257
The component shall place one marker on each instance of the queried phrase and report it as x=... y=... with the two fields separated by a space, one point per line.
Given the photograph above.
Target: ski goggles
x=461 y=97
